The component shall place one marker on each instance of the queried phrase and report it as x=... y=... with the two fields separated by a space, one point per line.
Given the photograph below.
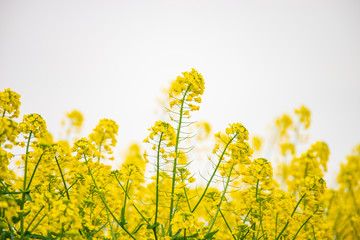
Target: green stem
x=276 y=221
x=176 y=156
x=141 y=214
x=297 y=204
x=122 y=220
x=313 y=230
x=221 y=200
x=254 y=228
x=353 y=197
x=37 y=224
x=102 y=139
x=257 y=187
x=62 y=194
x=24 y=187
x=354 y=227
x=11 y=231
x=227 y=224
x=261 y=225
x=103 y=200
x=243 y=237
x=292 y=214
x=247 y=215
x=37 y=214
x=258 y=200
x=14 y=193
x=213 y=174
x=9 y=192
x=111 y=228
x=33 y=174
x=63 y=179
x=301 y=227
x=187 y=199
x=126 y=194
x=157 y=183
x=330 y=203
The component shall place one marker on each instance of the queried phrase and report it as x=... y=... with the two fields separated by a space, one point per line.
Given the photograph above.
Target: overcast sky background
x=110 y=59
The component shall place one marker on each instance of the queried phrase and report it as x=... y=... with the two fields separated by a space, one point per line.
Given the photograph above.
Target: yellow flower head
x=304 y=115
x=283 y=123
x=105 y=130
x=256 y=143
x=321 y=152
x=84 y=147
x=191 y=85
x=204 y=130
x=165 y=130
x=241 y=132
x=10 y=103
x=287 y=147
x=76 y=118
x=9 y=130
x=34 y=123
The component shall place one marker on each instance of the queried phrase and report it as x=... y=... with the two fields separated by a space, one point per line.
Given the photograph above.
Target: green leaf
x=15 y=219
x=122 y=217
x=153 y=225
x=138 y=228
x=3 y=223
x=28 y=197
x=210 y=234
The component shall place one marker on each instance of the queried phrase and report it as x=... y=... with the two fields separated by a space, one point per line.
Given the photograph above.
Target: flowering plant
x=67 y=189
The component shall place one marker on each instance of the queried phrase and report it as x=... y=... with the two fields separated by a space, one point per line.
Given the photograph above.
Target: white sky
x=110 y=59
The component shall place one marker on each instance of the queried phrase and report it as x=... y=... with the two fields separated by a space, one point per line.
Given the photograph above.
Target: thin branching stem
x=221 y=200
x=213 y=174
x=63 y=179
x=33 y=173
x=24 y=187
x=103 y=200
x=176 y=157
x=227 y=224
x=292 y=214
x=301 y=227
x=157 y=185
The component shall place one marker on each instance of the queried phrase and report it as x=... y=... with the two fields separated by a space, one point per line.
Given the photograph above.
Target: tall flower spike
x=190 y=83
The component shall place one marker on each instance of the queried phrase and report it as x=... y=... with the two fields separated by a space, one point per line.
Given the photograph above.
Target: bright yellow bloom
x=104 y=135
x=305 y=116
x=34 y=123
x=76 y=118
x=9 y=103
x=256 y=143
x=284 y=123
x=189 y=86
x=165 y=130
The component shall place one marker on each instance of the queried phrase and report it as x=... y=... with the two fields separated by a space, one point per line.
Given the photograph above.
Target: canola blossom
x=67 y=189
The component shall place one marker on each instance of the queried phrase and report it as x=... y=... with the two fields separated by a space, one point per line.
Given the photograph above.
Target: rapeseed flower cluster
x=9 y=104
x=33 y=124
x=189 y=87
x=65 y=189
x=73 y=121
x=104 y=135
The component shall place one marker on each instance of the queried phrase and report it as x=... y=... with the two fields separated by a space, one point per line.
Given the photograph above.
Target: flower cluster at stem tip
x=192 y=85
